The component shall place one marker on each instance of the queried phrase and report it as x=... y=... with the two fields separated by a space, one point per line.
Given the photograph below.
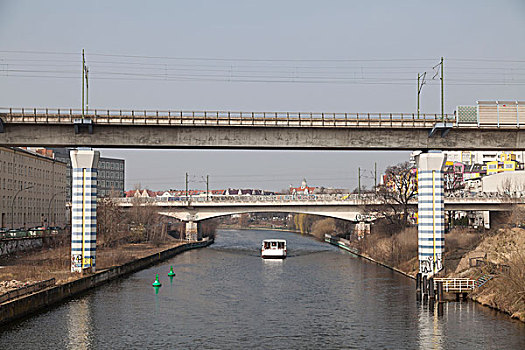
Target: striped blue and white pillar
x=84 y=210
x=431 y=212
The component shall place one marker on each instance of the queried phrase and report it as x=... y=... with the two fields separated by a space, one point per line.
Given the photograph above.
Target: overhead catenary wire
x=373 y=71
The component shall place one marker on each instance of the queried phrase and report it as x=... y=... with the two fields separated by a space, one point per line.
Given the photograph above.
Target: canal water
x=226 y=297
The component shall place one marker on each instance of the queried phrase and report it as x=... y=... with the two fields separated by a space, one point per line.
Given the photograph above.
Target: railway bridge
x=495 y=126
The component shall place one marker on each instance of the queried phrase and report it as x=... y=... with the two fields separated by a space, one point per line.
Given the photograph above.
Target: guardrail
x=456 y=285
x=26 y=290
x=223 y=118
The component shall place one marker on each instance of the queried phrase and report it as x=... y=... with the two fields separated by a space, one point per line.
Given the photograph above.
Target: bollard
x=425 y=285
x=431 y=288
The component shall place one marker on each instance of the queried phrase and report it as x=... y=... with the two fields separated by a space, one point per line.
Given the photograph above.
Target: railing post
x=253 y=118
x=180 y=117
x=322 y=116
x=346 y=119
x=229 y=118
x=275 y=118
x=133 y=117
x=288 y=118
x=193 y=117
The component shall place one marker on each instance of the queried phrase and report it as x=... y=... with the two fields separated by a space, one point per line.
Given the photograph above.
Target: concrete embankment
x=28 y=304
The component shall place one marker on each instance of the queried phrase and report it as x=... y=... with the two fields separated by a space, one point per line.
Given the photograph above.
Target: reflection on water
x=430 y=326
x=227 y=297
x=79 y=325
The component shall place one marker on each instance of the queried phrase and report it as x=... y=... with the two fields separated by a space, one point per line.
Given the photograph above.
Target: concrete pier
x=431 y=212
x=193 y=230
x=84 y=210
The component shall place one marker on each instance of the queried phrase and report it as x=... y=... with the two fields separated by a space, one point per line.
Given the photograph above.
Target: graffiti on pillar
x=428 y=266
x=439 y=263
x=76 y=260
x=425 y=266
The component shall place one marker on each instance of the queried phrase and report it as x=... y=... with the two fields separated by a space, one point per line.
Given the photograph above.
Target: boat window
x=274 y=244
x=266 y=245
x=281 y=245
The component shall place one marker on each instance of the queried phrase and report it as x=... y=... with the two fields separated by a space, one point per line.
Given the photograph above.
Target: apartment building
x=32 y=188
x=110 y=177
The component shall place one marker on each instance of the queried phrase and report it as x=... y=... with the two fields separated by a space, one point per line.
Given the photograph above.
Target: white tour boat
x=273 y=249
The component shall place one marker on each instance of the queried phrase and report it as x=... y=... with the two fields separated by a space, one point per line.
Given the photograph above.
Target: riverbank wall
x=28 y=304
x=344 y=244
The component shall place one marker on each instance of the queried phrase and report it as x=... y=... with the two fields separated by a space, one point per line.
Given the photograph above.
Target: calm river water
x=227 y=297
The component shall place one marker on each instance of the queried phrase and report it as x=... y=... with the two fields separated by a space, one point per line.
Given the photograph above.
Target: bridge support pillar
x=84 y=210
x=431 y=212
x=193 y=231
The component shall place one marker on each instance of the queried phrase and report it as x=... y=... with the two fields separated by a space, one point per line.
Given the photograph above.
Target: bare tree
x=109 y=222
x=395 y=195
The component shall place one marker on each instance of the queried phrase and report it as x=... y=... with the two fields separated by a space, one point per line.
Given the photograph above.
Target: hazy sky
x=331 y=56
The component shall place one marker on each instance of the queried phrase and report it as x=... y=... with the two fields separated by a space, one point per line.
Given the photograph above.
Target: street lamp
x=13 y=203
x=49 y=207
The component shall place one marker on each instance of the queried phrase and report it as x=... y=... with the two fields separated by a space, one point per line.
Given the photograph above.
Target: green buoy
x=157 y=282
x=171 y=273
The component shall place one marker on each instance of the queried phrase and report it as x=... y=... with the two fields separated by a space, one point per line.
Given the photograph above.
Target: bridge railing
x=370 y=198
x=223 y=118
x=253 y=198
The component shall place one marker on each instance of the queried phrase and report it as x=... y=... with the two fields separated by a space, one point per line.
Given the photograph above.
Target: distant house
x=304 y=189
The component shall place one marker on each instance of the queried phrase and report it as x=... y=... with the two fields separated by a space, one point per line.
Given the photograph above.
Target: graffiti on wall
x=429 y=266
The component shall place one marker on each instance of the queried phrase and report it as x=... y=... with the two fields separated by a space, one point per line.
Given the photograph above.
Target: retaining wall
x=25 y=305
x=13 y=245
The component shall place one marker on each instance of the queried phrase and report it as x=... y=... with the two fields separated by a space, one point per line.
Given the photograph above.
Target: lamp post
x=49 y=207
x=13 y=203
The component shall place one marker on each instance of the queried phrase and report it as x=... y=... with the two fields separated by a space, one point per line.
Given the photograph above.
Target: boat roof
x=275 y=240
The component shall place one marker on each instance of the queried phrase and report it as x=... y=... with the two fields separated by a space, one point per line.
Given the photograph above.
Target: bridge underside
x=259 y=137
x=344 y=213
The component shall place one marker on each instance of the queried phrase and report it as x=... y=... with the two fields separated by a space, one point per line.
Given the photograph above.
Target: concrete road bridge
x=251 y=130
x=351 y=207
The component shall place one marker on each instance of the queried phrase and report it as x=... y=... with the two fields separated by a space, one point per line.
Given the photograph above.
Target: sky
x=287 y=55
